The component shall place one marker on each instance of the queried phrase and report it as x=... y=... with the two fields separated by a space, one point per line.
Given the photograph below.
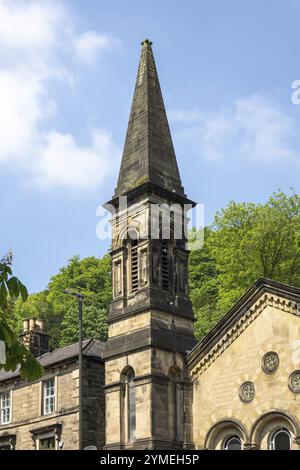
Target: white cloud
x=252 y=128
x=63 y=162
x=23 y=104
x=29 y=25
x=37 y=39
x=90 y=45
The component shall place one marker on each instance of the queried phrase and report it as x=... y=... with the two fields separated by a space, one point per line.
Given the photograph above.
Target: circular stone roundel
x=247 y=392
x=270 y=362
x=294 y=381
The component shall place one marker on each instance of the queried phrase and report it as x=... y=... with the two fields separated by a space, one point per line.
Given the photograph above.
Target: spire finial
x=146 y=42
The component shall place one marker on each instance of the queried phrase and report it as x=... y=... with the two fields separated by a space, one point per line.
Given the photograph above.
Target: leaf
x=6 y=334
x=13 y=286
x=23 y=291
x=31 y=368
x=3 y=294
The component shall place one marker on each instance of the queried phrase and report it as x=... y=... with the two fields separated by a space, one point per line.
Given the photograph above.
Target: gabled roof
x=148 y=154
x=91 y=348
x=238 y=311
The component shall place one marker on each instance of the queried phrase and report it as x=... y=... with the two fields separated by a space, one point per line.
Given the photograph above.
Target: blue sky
x=67 y=72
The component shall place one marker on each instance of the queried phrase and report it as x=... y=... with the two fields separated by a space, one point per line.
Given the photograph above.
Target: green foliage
x=251 y=241
x=10 y=286
x=94 y=324
x=89 y=276
x=203 y=286
x=247 y=241
x=16 y=354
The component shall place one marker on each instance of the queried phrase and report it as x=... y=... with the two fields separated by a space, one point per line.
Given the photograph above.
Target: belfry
x=148 y=392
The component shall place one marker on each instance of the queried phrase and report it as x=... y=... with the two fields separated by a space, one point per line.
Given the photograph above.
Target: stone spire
x=148 y=154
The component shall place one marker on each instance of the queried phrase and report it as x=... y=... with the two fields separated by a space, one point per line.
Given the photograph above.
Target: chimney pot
x=40 y=324
x=34 y=336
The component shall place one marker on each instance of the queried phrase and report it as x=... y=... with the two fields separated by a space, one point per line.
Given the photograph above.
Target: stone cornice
x=267 y=293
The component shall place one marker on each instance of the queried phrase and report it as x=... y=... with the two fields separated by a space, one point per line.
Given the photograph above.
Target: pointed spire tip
x=146 y=42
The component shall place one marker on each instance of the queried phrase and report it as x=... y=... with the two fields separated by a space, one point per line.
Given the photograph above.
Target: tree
x=36 y=306
x=94 y=324
x=250 y=241
x=92 y=277
x=16 y=354
x=203 y=286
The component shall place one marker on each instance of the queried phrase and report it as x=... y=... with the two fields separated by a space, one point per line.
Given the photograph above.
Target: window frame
x=2 y=408
x=47 y=438
x=46 y=397
x=230 y=438
x=275 y=434
x=8 y=442
x=47 y=432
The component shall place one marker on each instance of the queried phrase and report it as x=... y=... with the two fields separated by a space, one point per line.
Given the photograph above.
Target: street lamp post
x=80 y=303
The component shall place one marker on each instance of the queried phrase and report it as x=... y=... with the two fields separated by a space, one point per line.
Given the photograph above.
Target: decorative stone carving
x=247 y=392
x=294 y=381
x=270 y=362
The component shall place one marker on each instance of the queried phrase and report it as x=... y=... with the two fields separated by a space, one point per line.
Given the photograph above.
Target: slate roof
x=91 y=348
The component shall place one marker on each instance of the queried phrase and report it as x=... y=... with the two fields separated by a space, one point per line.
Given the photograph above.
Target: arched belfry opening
x=150 y=317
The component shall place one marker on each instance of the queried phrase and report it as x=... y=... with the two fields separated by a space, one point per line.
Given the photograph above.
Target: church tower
x=148 y=392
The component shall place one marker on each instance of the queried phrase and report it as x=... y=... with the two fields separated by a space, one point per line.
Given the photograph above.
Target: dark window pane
x=47 y=444
x=233 y=443
x=282 y=441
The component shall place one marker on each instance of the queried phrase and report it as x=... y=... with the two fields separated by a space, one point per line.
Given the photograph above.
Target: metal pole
x=80 y=299
x=80 y=381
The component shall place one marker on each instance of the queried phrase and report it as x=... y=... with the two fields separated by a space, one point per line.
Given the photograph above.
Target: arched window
x=128 y=406
x=233 y=443
x=281 y=440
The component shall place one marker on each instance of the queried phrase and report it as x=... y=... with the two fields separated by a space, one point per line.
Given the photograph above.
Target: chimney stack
x=34 y=337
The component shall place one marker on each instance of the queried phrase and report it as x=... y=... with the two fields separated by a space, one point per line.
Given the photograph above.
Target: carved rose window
x=294 y=382
x=270 y=362
x=247 y=392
